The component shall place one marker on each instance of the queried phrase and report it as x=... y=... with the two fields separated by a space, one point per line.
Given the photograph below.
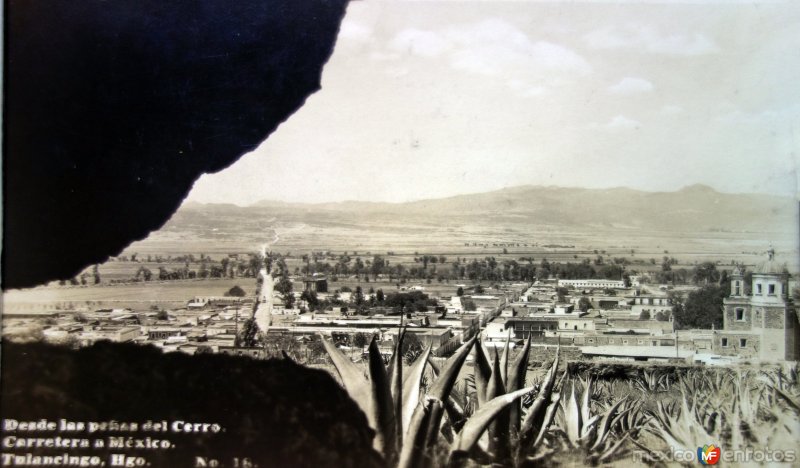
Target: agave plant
x=599 y=435
x=633 y=420
x=409 y=424
x=757 y=419
x=784 y=377
x=737 y=410
x=653 y=381
x=791 y=400
x=384 y=396
x=686 y=424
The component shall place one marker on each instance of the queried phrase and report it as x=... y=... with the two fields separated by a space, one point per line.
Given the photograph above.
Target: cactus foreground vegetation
x=411 y=425
x=431 y=415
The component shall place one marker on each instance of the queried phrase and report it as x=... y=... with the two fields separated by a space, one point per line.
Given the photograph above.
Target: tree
x=705 y=273
x=460 y=291
x=626 y=280
x=479 y=289
x=584 y=304
x=645 y=315
x=701 y=309
x=96 y=274
x=285 y=287
x=378 y=265
x=469 y=305
x=311 y=298
x=661 y=316
x=248 y=337
x=162 y=315
x=359 y=297
x=144 y=272
x=235 y=291
x=360 y=340
x=380 y=296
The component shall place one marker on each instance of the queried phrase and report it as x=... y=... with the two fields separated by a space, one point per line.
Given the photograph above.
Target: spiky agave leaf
x=483 y=372
x=586 y=400
x=499 y=442
x=535 y=422
x=609 y=419
x=424 y=417
x=411 y=388
x=504 y=360
x=515 y=381
x=573 y=419
x=545 y=389
x=518 y=369
x=354 y=381
x=455 y=409
x=414 y=450
x=474 y=427
x=549 y=415
x=382 y=405
x=613 y=451
x=444 y=384
x=683 y=425
x=396 y=378
x=432 y=432
x=434 y=367
x=635 y=419
x=792 y=402
x=455 y=413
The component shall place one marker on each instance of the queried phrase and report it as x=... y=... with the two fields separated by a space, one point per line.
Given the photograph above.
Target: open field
x=509 y=226
x=469 y=242
x=167 y=294
x=692 y=225
x=724 y=248
x=477 y=243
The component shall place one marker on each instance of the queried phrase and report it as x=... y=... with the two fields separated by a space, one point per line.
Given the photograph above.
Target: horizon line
x=513 y=187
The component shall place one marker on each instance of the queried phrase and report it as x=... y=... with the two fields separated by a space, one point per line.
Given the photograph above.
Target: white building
x=592 y=284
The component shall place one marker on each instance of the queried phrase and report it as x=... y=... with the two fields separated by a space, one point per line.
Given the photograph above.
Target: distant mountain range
x=692 y=209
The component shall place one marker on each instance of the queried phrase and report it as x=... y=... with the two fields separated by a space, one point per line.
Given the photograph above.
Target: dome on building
x=770 y=266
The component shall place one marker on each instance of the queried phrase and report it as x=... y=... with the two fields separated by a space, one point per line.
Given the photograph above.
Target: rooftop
x=636 y=351
x=770 y=266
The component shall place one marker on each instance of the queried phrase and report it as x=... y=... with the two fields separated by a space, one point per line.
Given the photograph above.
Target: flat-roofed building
x=592 y=284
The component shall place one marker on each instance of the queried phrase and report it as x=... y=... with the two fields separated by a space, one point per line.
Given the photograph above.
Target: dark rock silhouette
x=275 y=412
x=113 y=109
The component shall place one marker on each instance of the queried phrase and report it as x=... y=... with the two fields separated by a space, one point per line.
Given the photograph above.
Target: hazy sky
x=431 y=99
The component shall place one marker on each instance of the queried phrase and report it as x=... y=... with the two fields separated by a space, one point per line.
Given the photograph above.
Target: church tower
x=737 y=282
x=763 y=324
